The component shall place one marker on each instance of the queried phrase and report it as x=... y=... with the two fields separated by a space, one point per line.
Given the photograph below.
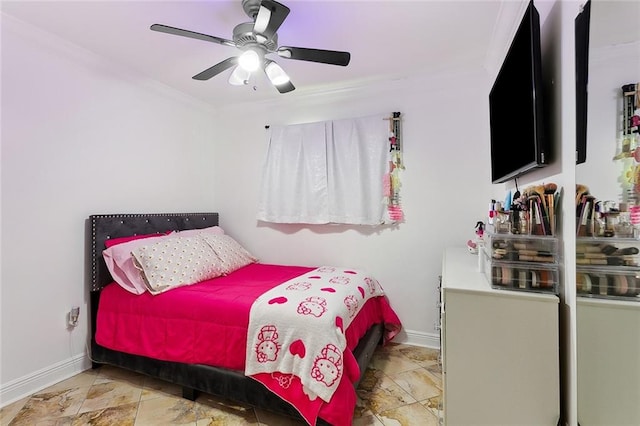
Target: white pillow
x=175 y=262
x=231 y=254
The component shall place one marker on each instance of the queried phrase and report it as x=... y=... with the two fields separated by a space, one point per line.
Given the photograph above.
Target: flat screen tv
x=518 y=141
x=582 y=78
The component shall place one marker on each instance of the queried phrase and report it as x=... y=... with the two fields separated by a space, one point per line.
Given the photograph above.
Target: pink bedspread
x=207 y=324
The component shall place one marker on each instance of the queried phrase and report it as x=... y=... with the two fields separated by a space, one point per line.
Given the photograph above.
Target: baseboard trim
x=418 y=338
x=41 y=379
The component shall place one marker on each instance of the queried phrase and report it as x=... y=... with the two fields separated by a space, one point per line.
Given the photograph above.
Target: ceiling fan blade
x=216 y=69
x=269 y=18
x=191 y=34
x=285 y=88
x=331 y=57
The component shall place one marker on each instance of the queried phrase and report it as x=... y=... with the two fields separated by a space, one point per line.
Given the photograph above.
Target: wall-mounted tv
x=582 y=78
x=518 y=140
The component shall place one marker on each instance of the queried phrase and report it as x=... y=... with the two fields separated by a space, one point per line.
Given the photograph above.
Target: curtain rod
x=396 y=116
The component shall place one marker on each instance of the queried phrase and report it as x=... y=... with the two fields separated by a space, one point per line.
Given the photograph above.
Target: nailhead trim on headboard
x=106 y=226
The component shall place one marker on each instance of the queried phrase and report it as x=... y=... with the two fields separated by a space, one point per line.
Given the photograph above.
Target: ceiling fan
x=257 y=39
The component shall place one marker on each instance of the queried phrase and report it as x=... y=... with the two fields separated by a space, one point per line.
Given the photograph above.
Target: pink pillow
x=212 y=230
x=120 y=262
x=114 y=241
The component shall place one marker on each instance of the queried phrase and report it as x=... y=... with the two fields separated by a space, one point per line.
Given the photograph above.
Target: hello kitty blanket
x=296 y=340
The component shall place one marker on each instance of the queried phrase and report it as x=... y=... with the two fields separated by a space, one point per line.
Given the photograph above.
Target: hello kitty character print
x=284 y=380
x=352 y=305
x=371 y=284
x=299 y=286
x=340 y=280
x=267 y=348
x=314 y=305
x=327 y=368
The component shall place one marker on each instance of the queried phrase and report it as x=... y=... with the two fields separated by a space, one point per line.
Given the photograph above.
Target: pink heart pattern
x=279 y=300
x=298 y=348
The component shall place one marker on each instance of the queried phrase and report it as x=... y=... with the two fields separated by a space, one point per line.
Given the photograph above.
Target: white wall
x=79 y=137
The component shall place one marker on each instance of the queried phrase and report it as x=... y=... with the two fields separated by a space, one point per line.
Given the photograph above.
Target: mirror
x=608 y=323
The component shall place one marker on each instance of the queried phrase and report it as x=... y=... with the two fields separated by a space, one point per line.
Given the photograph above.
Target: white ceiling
x=387 y=39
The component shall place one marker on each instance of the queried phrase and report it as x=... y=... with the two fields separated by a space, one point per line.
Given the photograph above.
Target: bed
x=194 y=377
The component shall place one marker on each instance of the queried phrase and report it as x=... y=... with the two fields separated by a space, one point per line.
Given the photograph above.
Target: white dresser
x=608 y=362
x=500 y=350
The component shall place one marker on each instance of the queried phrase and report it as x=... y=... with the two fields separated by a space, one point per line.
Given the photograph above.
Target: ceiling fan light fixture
x=249 y=60
x=276 y=74
x=256 y=40
x=239 y=76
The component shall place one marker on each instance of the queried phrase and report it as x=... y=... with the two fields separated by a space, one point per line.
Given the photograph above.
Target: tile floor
x=402 y=386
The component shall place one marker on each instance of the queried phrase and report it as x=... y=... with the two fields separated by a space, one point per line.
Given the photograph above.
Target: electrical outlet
x=72 y=316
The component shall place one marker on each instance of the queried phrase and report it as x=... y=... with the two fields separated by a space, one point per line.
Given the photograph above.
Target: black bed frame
x=193 y=378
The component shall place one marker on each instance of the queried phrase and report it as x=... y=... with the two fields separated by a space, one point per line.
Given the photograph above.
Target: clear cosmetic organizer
x=522 y=262
x=608 y=268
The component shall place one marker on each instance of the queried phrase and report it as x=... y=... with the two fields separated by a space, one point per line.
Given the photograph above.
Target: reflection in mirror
x=608 y=262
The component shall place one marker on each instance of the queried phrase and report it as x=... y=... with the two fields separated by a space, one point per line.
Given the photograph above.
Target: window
x=327 y=172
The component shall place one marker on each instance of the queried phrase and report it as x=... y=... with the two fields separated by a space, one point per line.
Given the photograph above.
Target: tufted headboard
x=105 y=226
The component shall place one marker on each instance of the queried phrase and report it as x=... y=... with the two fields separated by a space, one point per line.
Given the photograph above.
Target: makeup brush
x=581 y=190
x=549 y=195
x=516 y=194
x=550 y=188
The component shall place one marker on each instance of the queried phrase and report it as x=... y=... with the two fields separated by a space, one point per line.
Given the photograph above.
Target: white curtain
x=328 y=172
